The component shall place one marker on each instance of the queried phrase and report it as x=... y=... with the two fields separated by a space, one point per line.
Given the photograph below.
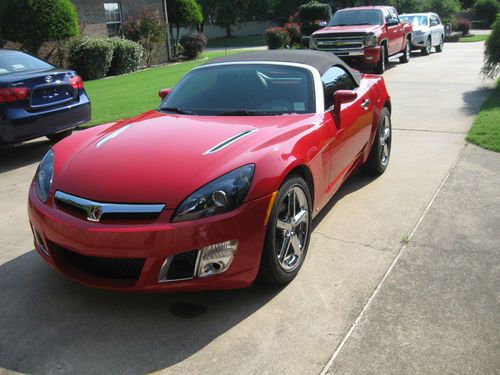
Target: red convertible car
x=218 y=186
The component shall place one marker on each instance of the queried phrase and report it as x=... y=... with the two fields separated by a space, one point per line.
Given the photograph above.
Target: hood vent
x=229 y=141
x=112 y=135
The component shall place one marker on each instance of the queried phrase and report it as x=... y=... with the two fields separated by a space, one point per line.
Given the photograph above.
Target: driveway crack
x=351 y=242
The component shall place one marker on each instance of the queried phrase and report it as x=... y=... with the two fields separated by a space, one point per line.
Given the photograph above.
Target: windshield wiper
x=177 y=110
x=244 y=112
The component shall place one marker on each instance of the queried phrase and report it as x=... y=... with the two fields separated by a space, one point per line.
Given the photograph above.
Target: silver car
x=428 y=31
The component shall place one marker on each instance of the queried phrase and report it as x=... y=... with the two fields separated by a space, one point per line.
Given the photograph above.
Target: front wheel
x=406 y=53
x=288 y=233
x=439 y=48
x=380 y=67
x=428 y=47
x=377 y=161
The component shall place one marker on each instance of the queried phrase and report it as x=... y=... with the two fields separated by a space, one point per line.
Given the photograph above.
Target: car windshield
x=356 y=17
x=15 y=61
x=243 y=90
x=415 y=20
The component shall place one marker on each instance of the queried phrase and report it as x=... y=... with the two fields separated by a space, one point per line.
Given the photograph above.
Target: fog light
x=39 y=241
x=216 y=259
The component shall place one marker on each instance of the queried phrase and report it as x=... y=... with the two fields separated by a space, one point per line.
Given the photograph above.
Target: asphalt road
x=51 y=325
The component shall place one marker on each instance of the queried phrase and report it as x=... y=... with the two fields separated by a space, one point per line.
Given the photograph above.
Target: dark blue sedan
x=38 y=99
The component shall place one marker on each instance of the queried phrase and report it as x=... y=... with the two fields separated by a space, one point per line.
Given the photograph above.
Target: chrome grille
x=340 y=44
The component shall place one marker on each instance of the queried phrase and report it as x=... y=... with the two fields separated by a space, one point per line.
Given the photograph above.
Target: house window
x=113 y=15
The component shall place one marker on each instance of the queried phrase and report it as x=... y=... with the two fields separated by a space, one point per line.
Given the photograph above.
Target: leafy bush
x=193 y=43
x=486 y=10
x=491 y=67
x=479 y=25
x=148 y=30
x=126 y=56
x=445 y=8
x=314 y=11
x=307 y=29
x=34 y=22
x=463 y=25
x=452 y=38
x=276 y=37
x=91 y=57
x=293 y=30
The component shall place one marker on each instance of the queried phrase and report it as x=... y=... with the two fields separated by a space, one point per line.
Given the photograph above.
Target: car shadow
x=19 y=155
x=52 y=325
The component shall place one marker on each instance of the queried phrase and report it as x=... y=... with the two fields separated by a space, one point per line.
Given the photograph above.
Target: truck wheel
x=380 y=152
x=380 y=67
x=406 y=53
x=428 y=47
x=439 y=48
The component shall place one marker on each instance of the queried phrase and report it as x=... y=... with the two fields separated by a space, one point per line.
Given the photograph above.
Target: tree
x=491 y=67
x=34 y=22
x=229 y=13
x=444 y=8
x=282 y=10
x=208 y=10
x=487 y=10
x=183 y=12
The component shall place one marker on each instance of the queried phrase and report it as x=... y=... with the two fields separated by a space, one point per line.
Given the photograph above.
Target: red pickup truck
x=371 y=34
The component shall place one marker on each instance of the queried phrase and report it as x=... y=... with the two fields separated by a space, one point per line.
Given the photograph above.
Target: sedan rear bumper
x=60 y=237
x=20 y=125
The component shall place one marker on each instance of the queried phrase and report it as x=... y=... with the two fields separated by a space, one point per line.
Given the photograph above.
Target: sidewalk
x=438 y=310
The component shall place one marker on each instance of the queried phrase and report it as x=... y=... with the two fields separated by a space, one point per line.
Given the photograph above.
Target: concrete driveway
x=51 y=325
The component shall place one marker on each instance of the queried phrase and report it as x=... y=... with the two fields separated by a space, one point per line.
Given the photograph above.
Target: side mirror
x=340 y=97
x=392 y=22
x=434 y=23
x=164 y=93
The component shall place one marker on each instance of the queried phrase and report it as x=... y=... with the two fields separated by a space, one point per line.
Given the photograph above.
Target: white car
x=428 y=31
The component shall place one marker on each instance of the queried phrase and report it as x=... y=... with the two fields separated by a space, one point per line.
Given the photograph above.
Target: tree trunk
x=228 y=30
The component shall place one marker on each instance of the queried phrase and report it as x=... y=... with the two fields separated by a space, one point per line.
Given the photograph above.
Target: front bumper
x=368 y=56
x=59 y=231
x=419 y=41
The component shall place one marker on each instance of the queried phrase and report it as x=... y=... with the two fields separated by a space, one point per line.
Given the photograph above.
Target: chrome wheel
x=385 y=141
x=292 y=228
x=382 y=59
x=428 y=46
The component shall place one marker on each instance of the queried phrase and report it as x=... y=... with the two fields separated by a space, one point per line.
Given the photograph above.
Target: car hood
x=162 y=158
x=347 y=29
x=421 y=28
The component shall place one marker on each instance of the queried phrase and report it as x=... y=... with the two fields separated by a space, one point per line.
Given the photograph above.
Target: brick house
x=105 y=17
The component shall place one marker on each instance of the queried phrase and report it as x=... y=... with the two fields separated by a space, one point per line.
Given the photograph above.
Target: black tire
x=440 y=46
x=428 y=47
x=406 y=52
x=56 y=137
x=380 y=67
x=377 y=161
x=272 y=269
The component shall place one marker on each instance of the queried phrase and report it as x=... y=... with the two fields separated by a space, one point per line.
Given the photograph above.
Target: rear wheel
x=380 y=67
x=288 y=233
x=56 y=137
x=428 y=47
x=380 y=153
x=406 y=53
x=439 y=48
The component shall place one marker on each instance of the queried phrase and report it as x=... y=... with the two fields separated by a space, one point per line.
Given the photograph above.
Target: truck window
x=393 y=14
x=335 y=79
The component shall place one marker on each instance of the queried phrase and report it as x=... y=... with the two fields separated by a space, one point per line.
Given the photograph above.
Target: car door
x=437 y=29
x=394 y=33
x=350 y=136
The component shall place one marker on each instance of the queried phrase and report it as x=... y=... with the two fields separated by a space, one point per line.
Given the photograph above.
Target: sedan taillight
x=13 y=94
x=76 y=82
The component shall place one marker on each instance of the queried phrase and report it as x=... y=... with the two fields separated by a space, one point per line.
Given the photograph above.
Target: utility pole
x=169 y=49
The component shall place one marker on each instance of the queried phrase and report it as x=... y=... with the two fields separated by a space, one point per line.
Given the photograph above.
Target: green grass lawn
x=474 y=38
x=237 y=41
x=485 y=131
x=125 y=96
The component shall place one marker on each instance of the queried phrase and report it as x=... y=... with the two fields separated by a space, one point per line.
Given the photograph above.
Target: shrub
x=91 y=57
x=479 y=25
x=491 y=67
x=452 y=38
x=307 y=29
x=314 y=11
x=293 y=30
x=276 y=37
x=148 y=30
x=34 y=22
x=486 y=10
x=463 y=25
x=193 y=43
x=126 y=56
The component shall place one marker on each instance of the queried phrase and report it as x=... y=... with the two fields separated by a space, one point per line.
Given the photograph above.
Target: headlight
x=224 y=194
x=371 y=40
x=312 y=43
x=44 y=176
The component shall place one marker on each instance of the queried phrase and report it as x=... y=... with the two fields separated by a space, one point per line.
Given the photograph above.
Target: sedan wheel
x=377 y=161
x=288 y=233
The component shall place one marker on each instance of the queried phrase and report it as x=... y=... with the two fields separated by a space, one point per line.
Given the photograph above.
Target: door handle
x=365 y=104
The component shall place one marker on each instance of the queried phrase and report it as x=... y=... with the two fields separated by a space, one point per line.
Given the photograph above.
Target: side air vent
x=229 y=141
